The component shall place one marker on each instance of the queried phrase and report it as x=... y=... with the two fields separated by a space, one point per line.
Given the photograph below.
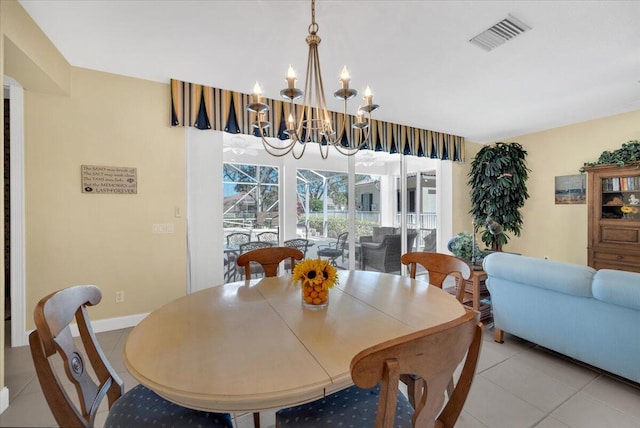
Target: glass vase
x=314 y=296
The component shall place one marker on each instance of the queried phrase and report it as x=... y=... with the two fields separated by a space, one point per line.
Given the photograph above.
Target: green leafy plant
x=498 y=178
x=461 y=246
x=628 y=153
x=335 y=225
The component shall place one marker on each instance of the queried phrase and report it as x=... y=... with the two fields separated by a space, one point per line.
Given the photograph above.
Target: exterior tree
x=498 y=178
x=261 y=182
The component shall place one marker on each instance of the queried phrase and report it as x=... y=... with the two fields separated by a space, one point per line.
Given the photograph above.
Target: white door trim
x=18 y=310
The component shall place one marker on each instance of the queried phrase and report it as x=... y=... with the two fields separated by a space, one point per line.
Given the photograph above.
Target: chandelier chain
x=313 y=27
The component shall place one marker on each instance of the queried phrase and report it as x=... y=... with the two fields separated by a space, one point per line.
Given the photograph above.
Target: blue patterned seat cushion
x=352 y=407
x=141 y=407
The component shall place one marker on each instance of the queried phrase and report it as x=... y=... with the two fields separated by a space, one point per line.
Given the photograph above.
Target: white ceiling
x=580 y=61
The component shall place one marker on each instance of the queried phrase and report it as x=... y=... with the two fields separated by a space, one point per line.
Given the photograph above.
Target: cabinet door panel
x=619 y=235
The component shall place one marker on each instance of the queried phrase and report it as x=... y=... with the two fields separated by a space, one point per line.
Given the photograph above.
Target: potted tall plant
x=498 y=178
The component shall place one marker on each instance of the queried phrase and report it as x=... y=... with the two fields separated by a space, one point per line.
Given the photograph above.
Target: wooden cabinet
x=613 y=197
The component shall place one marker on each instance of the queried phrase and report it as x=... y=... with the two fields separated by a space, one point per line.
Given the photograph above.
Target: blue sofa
x=591 y=316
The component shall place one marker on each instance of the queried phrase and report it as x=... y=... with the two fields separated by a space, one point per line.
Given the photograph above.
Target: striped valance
x=205 y=107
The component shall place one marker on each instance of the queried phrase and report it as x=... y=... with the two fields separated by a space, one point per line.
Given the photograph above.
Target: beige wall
x=78 y=238
x=558 y=231
x=74 y=117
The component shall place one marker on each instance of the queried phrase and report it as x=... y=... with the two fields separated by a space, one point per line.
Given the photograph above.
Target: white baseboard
x=100 y=326
x=4 y=399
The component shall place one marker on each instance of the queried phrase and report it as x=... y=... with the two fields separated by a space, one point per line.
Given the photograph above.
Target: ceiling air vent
x=503 y=31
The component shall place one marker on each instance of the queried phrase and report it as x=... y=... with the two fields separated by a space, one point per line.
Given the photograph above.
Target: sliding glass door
x=391 y=202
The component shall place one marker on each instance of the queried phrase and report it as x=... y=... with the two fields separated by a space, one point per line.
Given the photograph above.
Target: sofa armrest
x=617 y=287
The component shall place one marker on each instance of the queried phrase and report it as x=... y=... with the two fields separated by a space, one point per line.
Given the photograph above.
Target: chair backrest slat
x=269 y=258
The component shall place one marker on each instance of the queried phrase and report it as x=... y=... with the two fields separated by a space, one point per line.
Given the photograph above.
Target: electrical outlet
x=119 y=296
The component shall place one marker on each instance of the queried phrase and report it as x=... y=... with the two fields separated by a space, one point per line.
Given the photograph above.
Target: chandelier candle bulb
x=368 y=96
x=344 y=78
x=291 y=78
x=257 y=94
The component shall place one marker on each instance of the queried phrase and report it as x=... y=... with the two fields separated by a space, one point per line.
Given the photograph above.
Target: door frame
x=16 y=137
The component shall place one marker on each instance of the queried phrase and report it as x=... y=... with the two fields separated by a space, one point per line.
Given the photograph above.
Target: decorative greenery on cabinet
x=628 y=153
x=498 y=178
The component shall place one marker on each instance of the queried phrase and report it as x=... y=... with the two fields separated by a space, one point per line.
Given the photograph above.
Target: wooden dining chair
x=247 y=247
x=439 y=266
x=269 y=258
x=432 y=354
x=139 y=407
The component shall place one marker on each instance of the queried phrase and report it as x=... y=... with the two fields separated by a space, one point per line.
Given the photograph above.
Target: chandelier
x=310 y=122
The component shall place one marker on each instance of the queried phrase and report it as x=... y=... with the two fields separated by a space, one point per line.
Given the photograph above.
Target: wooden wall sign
x=109 y=179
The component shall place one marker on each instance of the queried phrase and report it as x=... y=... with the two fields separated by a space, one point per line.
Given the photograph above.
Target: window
x=251 y=198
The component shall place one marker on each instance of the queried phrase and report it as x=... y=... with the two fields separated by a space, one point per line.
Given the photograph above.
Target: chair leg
x=256 y=420
x=414 y=389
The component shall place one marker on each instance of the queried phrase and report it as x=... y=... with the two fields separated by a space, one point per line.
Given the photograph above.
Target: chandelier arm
x=270 y=149
x=299 y=156
x=365 y=140
x=324 y=111
x=348 y=151
x=274 y=150
x=296 y=139
x=324 y=154
x=307 y=106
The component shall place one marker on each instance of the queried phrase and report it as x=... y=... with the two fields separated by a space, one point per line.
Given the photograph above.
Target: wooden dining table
x=250 y=346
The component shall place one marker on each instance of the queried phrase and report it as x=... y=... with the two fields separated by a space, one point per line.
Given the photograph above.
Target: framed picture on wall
x=571 y=189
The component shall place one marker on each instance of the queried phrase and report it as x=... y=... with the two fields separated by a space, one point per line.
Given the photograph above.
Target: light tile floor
x=518 y=384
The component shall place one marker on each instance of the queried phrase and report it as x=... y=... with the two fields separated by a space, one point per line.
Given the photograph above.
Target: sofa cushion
x=567 y=278
x=617 y=287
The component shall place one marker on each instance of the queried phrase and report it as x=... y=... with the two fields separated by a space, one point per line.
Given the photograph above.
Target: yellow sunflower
x=625 y=209
x=315 y=272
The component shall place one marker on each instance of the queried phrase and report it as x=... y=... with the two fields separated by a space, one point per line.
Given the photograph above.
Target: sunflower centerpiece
x=316 y=277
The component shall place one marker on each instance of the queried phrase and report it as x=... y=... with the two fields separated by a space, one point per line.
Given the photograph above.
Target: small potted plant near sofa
x=462 y=245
